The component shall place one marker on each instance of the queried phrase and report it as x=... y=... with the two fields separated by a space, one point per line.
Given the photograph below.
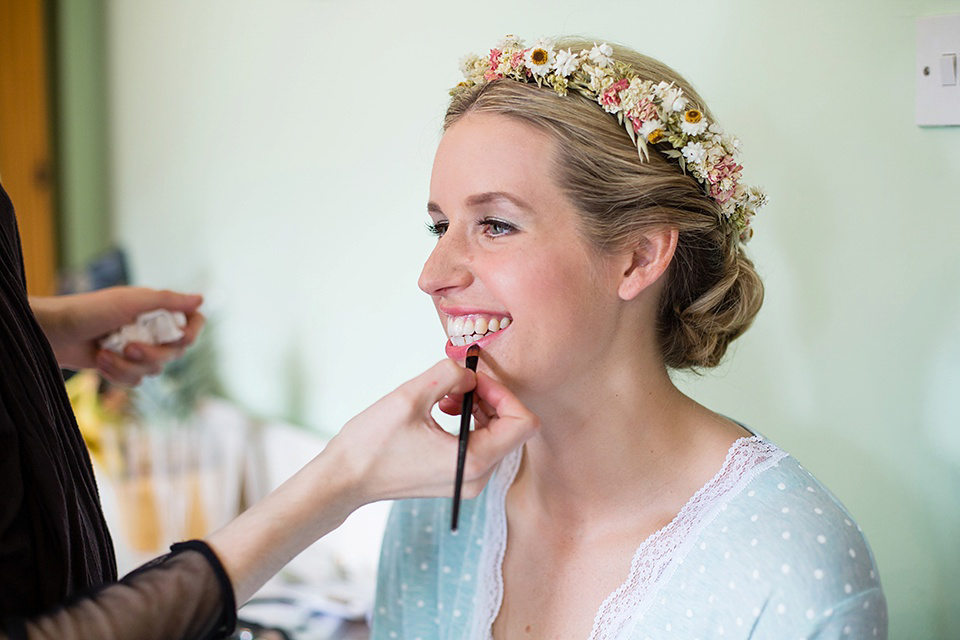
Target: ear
x=648 y=261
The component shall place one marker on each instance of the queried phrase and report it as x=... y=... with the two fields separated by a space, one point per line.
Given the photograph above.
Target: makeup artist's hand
x=406 y=454
x=393 y=449
x=75 y=324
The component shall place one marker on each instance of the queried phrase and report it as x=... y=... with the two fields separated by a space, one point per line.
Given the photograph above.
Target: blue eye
x=496 y=228
x=438 y=228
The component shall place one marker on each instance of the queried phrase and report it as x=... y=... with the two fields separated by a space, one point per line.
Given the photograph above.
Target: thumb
x=174 y=301
x=444 y=378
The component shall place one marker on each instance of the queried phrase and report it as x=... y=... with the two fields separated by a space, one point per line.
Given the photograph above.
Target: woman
x=591 y=227
x=57 y=570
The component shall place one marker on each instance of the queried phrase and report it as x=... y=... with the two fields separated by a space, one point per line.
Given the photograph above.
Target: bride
x=591 y=225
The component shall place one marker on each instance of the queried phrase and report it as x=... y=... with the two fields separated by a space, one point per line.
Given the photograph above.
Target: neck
x=626 y=437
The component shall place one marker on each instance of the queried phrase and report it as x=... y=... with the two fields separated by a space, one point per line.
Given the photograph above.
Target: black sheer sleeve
x=185 y=594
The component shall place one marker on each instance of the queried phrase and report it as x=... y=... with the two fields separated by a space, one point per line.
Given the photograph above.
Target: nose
x=448 y=266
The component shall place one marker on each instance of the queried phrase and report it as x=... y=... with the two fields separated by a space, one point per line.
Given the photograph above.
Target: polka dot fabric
x=783 y=560
x=770 y=554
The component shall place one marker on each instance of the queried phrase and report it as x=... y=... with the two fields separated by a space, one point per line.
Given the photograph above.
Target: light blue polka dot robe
x=762 y=551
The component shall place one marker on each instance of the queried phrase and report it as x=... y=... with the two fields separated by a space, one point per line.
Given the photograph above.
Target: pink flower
x=644 y=111
x=723 y=177
x=611 y=95
x=492 y=73
x=727 y=167
x=645 y=117
x=647 y=110
x=516 y=60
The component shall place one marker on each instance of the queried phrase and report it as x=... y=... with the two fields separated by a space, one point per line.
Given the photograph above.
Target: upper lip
x=454 y=312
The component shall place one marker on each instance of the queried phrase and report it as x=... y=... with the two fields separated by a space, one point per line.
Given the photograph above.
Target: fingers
x=120 y=370
x=394 y=448
x=173 y=300
x=500 y=399
x=140 y=359
x=508 y=425
x=450 y=405
x=152 y=358
x=439 y=381
x=195 y=323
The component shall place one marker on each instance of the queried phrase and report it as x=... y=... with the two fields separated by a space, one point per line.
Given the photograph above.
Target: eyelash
x=437 y=229
x=506 y=227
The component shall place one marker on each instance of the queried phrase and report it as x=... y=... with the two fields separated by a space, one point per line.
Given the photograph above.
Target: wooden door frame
x=26 y=152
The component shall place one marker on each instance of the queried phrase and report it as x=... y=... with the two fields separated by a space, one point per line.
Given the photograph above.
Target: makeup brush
x=466 y=411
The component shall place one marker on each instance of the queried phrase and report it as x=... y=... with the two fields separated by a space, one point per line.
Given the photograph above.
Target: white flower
x=600 y=79
x=567 y=63
x=693 y=128
x=649 y=127
x=670 y=97
x=539 y=59
x=631 y=95
x=756 y=197
x=600 y=55
x=714 y=155
x=510 y=42
x=694 y=153
x=468 y=63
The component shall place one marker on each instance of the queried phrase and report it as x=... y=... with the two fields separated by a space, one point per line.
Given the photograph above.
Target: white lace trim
x=490 y=574
x=655 y=559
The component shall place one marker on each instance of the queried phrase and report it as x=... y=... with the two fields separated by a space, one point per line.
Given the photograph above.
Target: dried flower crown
x=652 y=114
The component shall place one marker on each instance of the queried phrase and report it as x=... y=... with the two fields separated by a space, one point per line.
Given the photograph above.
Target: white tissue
x=153 y=327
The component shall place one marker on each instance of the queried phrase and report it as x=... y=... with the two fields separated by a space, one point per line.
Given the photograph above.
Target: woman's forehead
x=489 y=156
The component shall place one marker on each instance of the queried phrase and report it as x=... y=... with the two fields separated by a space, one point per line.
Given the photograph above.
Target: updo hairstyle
x=713 y=291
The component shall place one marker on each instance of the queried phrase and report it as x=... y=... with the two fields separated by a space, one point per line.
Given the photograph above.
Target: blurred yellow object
x=197 y=525
x=83 y=389
x=166 y=471
x=141 y=513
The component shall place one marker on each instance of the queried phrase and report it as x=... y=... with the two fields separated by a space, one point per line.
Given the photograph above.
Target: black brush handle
x=466 y=411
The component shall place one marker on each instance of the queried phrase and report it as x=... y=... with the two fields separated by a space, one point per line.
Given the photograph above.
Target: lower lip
x=460 y=353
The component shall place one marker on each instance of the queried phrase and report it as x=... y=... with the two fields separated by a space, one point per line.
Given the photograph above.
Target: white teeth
x=465 y=330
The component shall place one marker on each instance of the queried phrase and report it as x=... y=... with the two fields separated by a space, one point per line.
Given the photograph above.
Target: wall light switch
x=948 y=69
x=938 y=91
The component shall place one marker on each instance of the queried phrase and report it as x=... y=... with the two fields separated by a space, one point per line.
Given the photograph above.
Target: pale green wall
x=276 y=155
x=79 y=29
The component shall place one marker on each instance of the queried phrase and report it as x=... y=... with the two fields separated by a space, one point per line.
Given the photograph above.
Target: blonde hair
x=713 y=292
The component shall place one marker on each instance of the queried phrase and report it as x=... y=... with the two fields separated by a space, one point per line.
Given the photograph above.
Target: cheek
x=558 y=289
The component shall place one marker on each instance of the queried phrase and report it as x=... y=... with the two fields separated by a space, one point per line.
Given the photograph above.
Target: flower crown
x=652 y=113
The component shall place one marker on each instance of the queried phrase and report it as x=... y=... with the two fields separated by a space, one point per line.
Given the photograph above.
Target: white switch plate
x=937 y=105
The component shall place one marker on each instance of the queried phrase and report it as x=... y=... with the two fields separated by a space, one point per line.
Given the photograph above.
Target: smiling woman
x=588 y=206
x=511 y=248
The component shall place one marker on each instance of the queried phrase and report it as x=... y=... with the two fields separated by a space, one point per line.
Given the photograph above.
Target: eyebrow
x=485 y=198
